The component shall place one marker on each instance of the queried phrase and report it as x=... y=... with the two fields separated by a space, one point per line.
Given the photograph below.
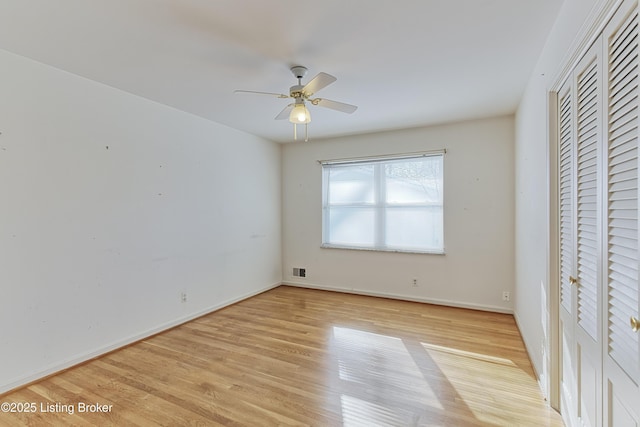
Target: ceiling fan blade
x=320 y=81
x=334 y=105
x=279 y=95
x=284 y=114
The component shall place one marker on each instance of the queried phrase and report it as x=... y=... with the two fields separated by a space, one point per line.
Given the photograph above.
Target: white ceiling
x=405 y=63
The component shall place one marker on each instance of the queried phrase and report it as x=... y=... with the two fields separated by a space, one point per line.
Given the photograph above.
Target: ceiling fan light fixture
x=300 y=114
x=297 y=112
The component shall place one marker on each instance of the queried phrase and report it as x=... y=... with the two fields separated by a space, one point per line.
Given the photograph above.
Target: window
x=387 y=204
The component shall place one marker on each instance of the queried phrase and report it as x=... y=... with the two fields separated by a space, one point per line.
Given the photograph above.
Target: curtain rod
x=383 y=157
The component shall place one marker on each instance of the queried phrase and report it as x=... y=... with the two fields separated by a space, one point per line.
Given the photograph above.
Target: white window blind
x=389 y=204
x=623 y=195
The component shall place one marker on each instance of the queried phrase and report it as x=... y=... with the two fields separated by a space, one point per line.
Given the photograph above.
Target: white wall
x=531 y=151
x=97 y=244
x=479 y=212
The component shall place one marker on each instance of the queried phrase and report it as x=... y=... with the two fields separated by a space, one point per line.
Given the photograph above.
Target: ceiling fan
x=297 y=112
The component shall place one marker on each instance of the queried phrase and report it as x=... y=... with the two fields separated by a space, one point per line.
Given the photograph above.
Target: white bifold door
x=598 y=227
x=622 y=344
x=581 y=127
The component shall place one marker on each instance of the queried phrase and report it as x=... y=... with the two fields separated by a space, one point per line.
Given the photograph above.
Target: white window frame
x=379 y=204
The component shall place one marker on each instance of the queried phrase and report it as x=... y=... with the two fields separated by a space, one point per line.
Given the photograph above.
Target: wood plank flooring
x=295 y=356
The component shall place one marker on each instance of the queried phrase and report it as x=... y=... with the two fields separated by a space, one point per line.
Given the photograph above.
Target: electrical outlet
x=303 y=272
x=183 y=297
x=506 y=296
x=415 y=283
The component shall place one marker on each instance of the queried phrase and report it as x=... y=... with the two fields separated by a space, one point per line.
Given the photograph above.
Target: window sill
x=403 y=251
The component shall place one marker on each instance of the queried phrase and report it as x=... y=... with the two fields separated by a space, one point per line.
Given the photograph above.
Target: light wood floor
x=305 y=357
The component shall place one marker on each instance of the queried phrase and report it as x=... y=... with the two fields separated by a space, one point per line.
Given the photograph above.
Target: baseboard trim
x=539 y=378
x=80 y=359
x=390 y=295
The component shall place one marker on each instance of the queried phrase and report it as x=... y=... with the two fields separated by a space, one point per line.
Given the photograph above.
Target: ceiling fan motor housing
x=296 y=91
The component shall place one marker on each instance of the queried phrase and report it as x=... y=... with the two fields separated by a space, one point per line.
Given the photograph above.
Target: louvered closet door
x=566 y=130
x=588 y=90
x=622 y=347
x=580 y=127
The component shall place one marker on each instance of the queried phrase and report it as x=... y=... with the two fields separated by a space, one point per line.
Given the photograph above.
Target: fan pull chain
x=306 y=132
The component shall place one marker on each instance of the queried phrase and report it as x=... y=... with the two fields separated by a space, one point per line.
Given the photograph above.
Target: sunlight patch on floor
x=371 y=362
x=469 y=354
x=358 y=412
x=484 y=382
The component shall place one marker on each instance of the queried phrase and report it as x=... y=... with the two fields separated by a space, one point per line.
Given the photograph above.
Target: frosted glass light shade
x=300 y=114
